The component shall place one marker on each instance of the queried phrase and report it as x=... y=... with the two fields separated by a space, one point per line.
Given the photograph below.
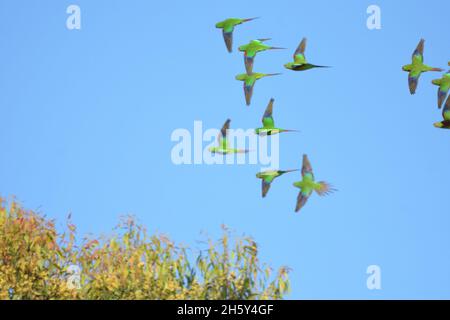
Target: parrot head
x=212 y=149
x=288 y=65
x=297 y=184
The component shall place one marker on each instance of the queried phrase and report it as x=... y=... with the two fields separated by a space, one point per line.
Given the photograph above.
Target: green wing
x=267 y=119
x=446 y=111
x=413 y=81
x=299 y=55
x=418 y=52
x=306 y=167
x=302 y=198
x=223 y=134
x=442 y=92
x=228 y=38
x=265 y=186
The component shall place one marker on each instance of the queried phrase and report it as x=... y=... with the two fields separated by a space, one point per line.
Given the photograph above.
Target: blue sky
x=86 y=118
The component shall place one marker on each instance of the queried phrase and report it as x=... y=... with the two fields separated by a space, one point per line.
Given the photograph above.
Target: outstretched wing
x=442 y=94
x=223 y=133
x=225 y=127
x=267 y=119
x=265 y=185
x=413 y=80
x=419 y=50
x=248 y=61
x=306 y=167
x=446 y=111
x=228 y=37
x=248 y=91
x=301 y=200
x=299 y=55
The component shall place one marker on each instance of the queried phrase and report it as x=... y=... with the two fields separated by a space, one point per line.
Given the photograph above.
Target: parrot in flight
x=249 y=82
x=417 y=67
x=444 y=86
x=445 y=124
x=223 y=142
x=308 y=184
x=251 y=49
x=267 y=177
x=300 y=63
x=227 y=27
x=268 y=128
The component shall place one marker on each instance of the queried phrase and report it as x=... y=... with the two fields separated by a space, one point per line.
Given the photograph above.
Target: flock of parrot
x=416 y=68
x=308 y=184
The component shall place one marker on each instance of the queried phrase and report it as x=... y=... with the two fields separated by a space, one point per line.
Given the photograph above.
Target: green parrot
x=268 y=176
x=249 y=82
x=417 y=67
x=268 y=128
x=300 y=63
x=223 y=142
x=444 y=86
x=251 y=49
x=227 y=27
x=308 y=185
x=446 y=114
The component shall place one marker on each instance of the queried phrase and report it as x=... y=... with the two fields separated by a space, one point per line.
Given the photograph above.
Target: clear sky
x=86 y=118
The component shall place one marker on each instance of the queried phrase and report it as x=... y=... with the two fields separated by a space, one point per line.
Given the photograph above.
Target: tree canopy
x=38 y=262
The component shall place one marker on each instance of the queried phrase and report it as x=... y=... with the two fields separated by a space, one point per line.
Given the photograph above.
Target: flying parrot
x=444 y=86
x=249 y=82
x=227 y=27
x=417 y=67
x=445 y=124
x=307 y=185
x=251 y=49
x=268 y=128
x=267 y=177
x=300 y=63
x=223 y=142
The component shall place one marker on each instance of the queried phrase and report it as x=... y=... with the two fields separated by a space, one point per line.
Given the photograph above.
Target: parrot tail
x=250 y=19
x=324 y=189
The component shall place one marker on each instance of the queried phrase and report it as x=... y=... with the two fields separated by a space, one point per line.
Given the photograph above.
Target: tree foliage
x=37 y=262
